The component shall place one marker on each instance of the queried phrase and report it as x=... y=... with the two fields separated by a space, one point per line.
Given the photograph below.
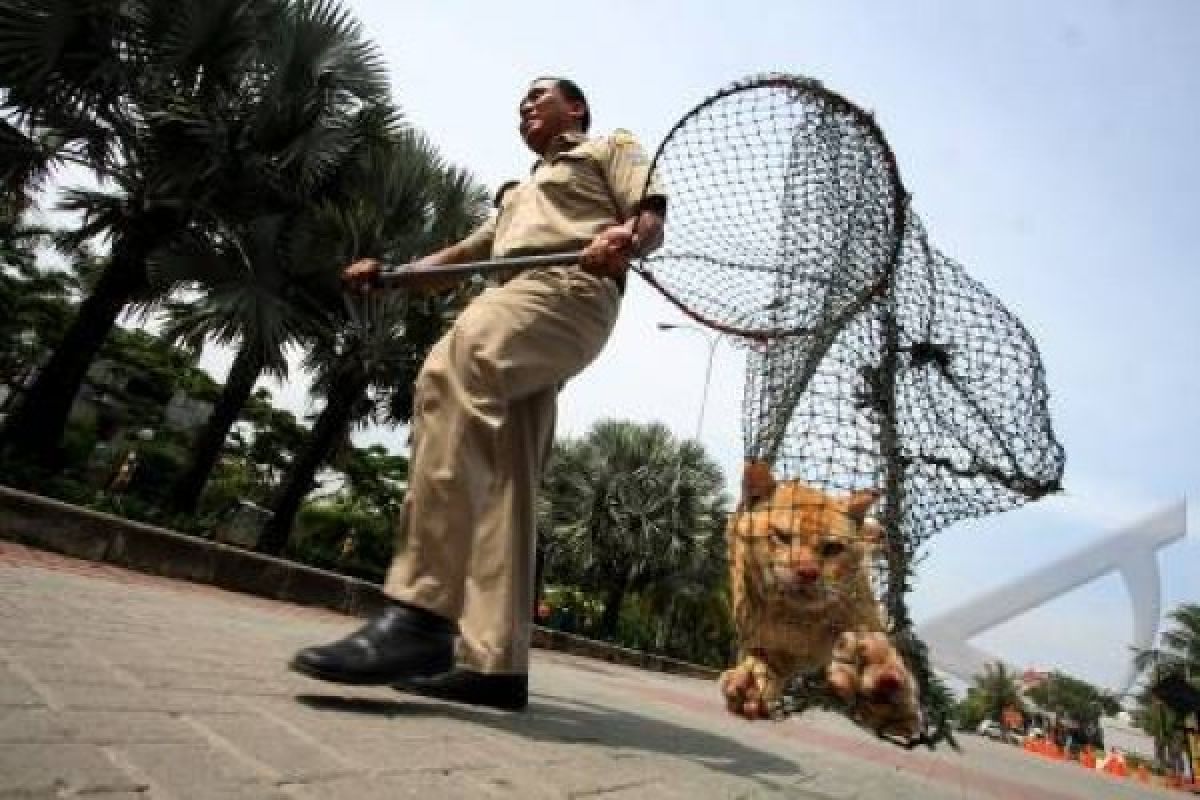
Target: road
x=115 y=684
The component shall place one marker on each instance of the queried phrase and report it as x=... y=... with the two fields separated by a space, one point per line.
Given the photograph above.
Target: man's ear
x=757 y=482
x=577 y=111
x=860 y=503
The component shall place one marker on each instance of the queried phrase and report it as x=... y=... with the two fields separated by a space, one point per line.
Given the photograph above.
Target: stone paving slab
x=120 y=685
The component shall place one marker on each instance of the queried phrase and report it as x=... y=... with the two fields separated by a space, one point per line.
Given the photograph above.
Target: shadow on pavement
x=561 y=720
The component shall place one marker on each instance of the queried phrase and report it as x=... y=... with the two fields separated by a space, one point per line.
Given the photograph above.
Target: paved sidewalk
x=115 y=684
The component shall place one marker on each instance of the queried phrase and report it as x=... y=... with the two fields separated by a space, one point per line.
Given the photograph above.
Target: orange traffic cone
x=1115 y=765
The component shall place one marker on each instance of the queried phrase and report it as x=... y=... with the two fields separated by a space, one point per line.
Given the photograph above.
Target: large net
x=874 y=361
x=785 y=209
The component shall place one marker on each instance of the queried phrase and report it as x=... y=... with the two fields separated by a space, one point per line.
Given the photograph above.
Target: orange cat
x=802 y=601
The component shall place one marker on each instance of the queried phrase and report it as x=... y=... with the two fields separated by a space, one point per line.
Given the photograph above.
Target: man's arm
x=637 y=197
x=362 y=274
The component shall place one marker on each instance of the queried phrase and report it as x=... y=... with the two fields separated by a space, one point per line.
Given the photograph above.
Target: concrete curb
x=52 y=525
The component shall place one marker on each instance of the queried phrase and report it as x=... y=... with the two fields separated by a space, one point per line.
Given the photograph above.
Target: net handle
x=408 y=275
x=401 y=276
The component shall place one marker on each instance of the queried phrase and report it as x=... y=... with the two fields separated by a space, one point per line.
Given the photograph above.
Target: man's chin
x=535 y=137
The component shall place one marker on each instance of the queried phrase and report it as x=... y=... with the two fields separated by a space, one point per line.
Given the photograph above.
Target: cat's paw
x=751 y=689
x=868 y=674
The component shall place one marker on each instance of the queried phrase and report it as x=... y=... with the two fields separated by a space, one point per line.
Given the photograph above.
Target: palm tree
x=692 y=606
x=407 y=202
x=320 y=106
x=63 y=81
x=110 y=85
x=1178 y=656
x=1179 y=650
x=355 y=373
x=250 y=302
x=995 y=690
x=224 y=111
x=632 y=507
x=279 y=286
x=35 y=304
x=24 y=165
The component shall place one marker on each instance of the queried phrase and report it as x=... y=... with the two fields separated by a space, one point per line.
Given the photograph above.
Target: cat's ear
x=757 y=482
x=860 y=503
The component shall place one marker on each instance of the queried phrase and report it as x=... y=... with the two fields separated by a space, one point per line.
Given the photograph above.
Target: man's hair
x=570 y=90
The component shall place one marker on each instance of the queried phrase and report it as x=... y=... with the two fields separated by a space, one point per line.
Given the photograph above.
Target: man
x=484 y=408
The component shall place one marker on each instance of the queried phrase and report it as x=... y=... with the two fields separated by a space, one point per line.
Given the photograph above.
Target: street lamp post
x=713 y=340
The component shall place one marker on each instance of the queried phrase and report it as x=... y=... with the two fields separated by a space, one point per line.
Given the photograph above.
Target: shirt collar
x=560 y=144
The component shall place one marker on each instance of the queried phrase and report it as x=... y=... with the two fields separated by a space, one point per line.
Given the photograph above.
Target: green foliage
x=374 y=478
x=345 y=537
x=699 y=630
x=247 y=150
x=395 y=198
x=1179 y=650
x=995 y=690
x=35 y=303
x=1078 y=700
x=1178 y=655
x=629 y=511
x=971 y=710
x=214 y=125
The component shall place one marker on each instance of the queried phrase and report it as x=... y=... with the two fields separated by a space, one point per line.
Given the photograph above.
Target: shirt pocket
x=575 y=180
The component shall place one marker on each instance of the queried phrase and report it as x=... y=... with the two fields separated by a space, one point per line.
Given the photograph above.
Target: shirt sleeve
x=628 y=173
x=478 y=245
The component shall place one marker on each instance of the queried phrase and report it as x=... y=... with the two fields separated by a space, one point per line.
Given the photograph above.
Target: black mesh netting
x=775 y=188
x=874 y=362
x=934 y=385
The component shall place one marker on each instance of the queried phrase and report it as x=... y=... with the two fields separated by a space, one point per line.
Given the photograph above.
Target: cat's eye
x=780 y=538
x=832 y=548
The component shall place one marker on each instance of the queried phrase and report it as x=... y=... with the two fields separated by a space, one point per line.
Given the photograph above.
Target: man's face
x=545 y=113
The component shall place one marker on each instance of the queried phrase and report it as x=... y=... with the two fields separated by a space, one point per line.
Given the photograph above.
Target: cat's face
x=803 y=542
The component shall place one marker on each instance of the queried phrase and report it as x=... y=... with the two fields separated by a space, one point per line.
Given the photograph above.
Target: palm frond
x=25 y=163
x=60 y=62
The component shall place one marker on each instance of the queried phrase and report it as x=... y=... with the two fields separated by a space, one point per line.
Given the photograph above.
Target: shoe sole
x=310 y=671
x=451 y=697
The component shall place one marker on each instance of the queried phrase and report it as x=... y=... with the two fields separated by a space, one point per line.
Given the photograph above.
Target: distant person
x=123 y=475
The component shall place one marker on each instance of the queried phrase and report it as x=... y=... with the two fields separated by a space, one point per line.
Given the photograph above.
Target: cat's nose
x=886 y=686
x=808 y=573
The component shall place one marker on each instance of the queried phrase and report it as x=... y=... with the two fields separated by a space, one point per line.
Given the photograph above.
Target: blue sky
x=1049 y=146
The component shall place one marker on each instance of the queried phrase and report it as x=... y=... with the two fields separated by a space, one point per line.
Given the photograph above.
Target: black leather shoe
x=400 y=643
x=508 y=692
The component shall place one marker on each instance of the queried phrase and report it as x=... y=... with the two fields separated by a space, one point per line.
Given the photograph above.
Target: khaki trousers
x=483 y=425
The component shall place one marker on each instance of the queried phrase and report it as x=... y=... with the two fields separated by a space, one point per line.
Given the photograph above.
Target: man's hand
x=609 y=253
x=362 y=274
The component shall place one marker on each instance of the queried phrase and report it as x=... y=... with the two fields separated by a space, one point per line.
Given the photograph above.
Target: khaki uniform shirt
x=580 y=187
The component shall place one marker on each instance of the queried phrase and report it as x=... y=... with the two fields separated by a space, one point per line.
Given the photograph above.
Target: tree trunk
x=206 y=449
x=35 y=428
x=666 y=629
x=612 y=608
x=326 y=433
